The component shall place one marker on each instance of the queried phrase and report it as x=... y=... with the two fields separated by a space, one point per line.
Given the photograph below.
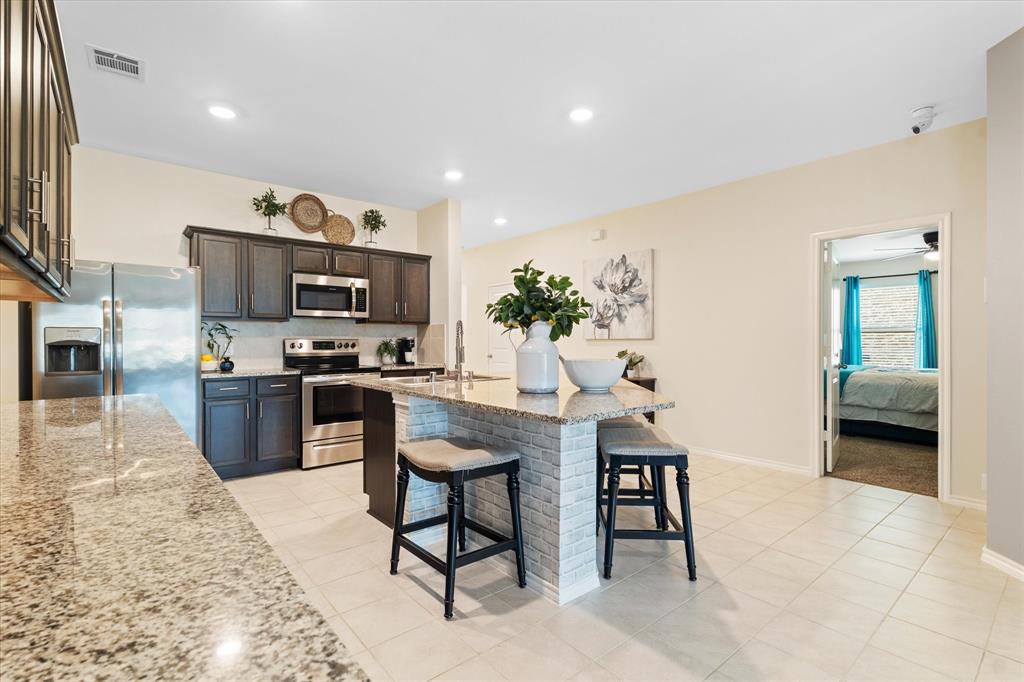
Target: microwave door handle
x=352 y=297
x=106 y=341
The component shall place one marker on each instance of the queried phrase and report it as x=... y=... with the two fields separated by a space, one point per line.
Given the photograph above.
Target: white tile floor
x=800 y=578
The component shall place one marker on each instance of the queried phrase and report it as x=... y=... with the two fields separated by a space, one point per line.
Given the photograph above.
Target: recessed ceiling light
x=581 y=115
x=222 y=112
x=453 y=174
x=500 y=221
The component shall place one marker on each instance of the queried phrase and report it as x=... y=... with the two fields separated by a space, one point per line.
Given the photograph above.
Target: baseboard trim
x=971 y=502
x=560 y=596
x=742 y=459
x=1004 y=564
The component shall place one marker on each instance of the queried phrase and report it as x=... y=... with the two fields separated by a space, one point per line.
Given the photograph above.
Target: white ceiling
x=375 y=100
x=859 y=249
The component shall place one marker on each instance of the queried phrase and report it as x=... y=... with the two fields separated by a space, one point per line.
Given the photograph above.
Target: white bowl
x=594 y=376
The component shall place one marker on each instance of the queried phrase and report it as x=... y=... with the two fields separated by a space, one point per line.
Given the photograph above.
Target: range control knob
x=339 y=344
x=291 y=345
x=300 y=344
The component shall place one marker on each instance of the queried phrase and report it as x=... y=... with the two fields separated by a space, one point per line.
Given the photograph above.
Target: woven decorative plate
x=339 y=230
x=308 y=212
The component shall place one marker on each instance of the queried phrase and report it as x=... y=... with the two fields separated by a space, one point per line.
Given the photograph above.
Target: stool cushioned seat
x=455 y=454
x=633 y=421
x=639 y=442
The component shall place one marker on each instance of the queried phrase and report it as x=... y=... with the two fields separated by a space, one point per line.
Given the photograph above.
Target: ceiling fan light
x=932 y=256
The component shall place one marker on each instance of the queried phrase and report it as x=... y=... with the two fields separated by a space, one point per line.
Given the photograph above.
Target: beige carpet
x=891 y=464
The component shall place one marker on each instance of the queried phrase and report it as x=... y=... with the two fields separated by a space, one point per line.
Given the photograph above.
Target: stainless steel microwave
x=323 y=296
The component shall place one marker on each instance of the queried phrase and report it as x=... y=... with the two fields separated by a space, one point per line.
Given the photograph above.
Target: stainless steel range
x=332 y=408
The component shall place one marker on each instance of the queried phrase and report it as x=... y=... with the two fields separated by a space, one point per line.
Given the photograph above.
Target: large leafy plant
x=553 y=302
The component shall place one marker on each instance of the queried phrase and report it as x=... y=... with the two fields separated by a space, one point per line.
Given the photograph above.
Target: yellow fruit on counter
x=206 y=357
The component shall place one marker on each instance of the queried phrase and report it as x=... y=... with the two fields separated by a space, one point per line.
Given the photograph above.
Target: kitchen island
x=122 y=556
x=556 y=436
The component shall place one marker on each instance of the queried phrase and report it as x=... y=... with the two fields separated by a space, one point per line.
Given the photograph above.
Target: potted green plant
x=218 y=333
x=544 y=310
x=268 y=205
x=633 y=360
x=373 y=222
x=386 y=349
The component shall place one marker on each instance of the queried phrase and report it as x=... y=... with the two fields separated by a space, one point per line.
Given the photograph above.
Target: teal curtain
x=925 y=353
x=851 y=354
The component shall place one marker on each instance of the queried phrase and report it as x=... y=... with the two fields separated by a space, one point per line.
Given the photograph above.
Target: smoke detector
x=921 y=119
x=102 y=59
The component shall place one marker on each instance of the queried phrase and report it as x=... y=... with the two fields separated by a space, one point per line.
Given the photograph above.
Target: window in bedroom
x=887 y=318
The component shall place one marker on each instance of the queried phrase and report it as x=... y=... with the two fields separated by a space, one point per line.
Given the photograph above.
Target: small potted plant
x=387 y=349
x=268 y=205
x=633 y=361
x=545 y=310
x=373 y=222
x=218 y=333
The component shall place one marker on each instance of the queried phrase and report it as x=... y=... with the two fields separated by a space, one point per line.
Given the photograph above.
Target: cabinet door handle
x=278 y=385
x=228 y=388
x=405 y=310
x=396 y=307
x=247 y=412
x=261 y=409
x=252 y=302
x=238 y=301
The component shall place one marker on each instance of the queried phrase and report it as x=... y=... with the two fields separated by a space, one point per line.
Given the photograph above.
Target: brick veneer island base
x=556 y=436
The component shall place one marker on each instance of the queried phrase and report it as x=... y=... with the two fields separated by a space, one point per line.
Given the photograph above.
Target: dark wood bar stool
x=642 y=447
x=652 y=487
x=455 y=461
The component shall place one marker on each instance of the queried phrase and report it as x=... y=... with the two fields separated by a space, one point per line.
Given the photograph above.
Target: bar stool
x=649 y=446
x=455 y=461
x=652 y=487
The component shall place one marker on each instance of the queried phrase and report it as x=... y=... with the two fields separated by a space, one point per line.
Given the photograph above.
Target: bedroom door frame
x=943 y=223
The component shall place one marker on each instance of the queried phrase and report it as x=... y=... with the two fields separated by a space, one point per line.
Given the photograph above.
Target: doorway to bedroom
x=881 y=302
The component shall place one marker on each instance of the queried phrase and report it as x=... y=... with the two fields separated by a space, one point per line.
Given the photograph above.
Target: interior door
x=831 y=340
x=501 y=356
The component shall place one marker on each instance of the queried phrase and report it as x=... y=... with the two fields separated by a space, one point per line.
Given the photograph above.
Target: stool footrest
x=423 y=523
x=422 y=553
x=507 y=545
x=637 y=534
x=493 y=535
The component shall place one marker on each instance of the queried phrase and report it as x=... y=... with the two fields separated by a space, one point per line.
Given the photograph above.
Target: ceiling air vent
x=108 y=60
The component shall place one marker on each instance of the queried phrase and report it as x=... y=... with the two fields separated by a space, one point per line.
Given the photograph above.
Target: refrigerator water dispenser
x=72 y=350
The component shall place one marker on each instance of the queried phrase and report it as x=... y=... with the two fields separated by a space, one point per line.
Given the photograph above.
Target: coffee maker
x=406 y=351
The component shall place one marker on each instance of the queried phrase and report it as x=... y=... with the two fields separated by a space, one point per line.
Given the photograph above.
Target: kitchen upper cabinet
x=220 y=261
x=415 y=290
x=385 y=288
x=348 y=263
x=268 y=280
x=37 y=130
x=311 y=259
x=277 y=424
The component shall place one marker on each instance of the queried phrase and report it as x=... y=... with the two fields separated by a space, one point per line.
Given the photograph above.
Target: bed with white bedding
x=901 y=404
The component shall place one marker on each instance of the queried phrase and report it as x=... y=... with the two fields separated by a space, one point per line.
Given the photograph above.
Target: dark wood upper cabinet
x=37 y=130
x=312 y=259
x=415 y=290
x=277 y=420
x=14 y=29
x=220 y=262
x=348 y=263
x=385 y=288
x=268 y=280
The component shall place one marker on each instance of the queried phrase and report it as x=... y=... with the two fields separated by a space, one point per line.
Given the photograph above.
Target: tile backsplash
x=258 y=344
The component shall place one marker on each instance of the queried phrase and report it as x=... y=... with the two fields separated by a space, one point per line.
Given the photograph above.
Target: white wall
x=734 y=290
x=133 y=210
x=439 y=230
x=1005 y=274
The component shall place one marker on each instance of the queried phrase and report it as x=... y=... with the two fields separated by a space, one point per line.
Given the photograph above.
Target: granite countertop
x=247 y=372
x=568 y=406
x=418 y=365
x=123 y=556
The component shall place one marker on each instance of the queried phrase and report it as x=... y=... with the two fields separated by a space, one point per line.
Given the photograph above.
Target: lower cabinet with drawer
x=251 y=426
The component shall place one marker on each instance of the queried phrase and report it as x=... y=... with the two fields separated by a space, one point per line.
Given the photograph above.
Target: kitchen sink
x=439 y=379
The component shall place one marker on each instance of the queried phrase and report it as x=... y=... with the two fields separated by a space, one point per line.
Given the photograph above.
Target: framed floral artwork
x=620 y=288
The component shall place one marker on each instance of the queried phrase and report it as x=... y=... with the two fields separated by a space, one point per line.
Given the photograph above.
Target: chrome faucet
x=460 y=351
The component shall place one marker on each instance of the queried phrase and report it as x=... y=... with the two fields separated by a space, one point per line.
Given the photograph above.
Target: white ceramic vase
x=537 y=361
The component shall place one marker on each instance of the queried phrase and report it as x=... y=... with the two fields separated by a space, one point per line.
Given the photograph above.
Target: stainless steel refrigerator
x=124 y=329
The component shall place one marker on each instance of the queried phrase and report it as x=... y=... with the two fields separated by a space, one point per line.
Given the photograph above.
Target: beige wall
x=1006 y=298
x=439 y=234
x=8 y=351
x=733 y=290
x=132 y=210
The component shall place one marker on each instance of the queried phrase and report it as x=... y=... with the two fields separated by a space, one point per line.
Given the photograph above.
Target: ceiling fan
x=930 y=248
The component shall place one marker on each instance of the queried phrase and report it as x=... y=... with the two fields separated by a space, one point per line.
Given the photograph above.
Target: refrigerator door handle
x=118 y=347
x=106 y=340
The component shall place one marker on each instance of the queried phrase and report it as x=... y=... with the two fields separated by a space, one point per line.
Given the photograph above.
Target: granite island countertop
x=123 y=556
x=568 y=406
x=249 y=372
